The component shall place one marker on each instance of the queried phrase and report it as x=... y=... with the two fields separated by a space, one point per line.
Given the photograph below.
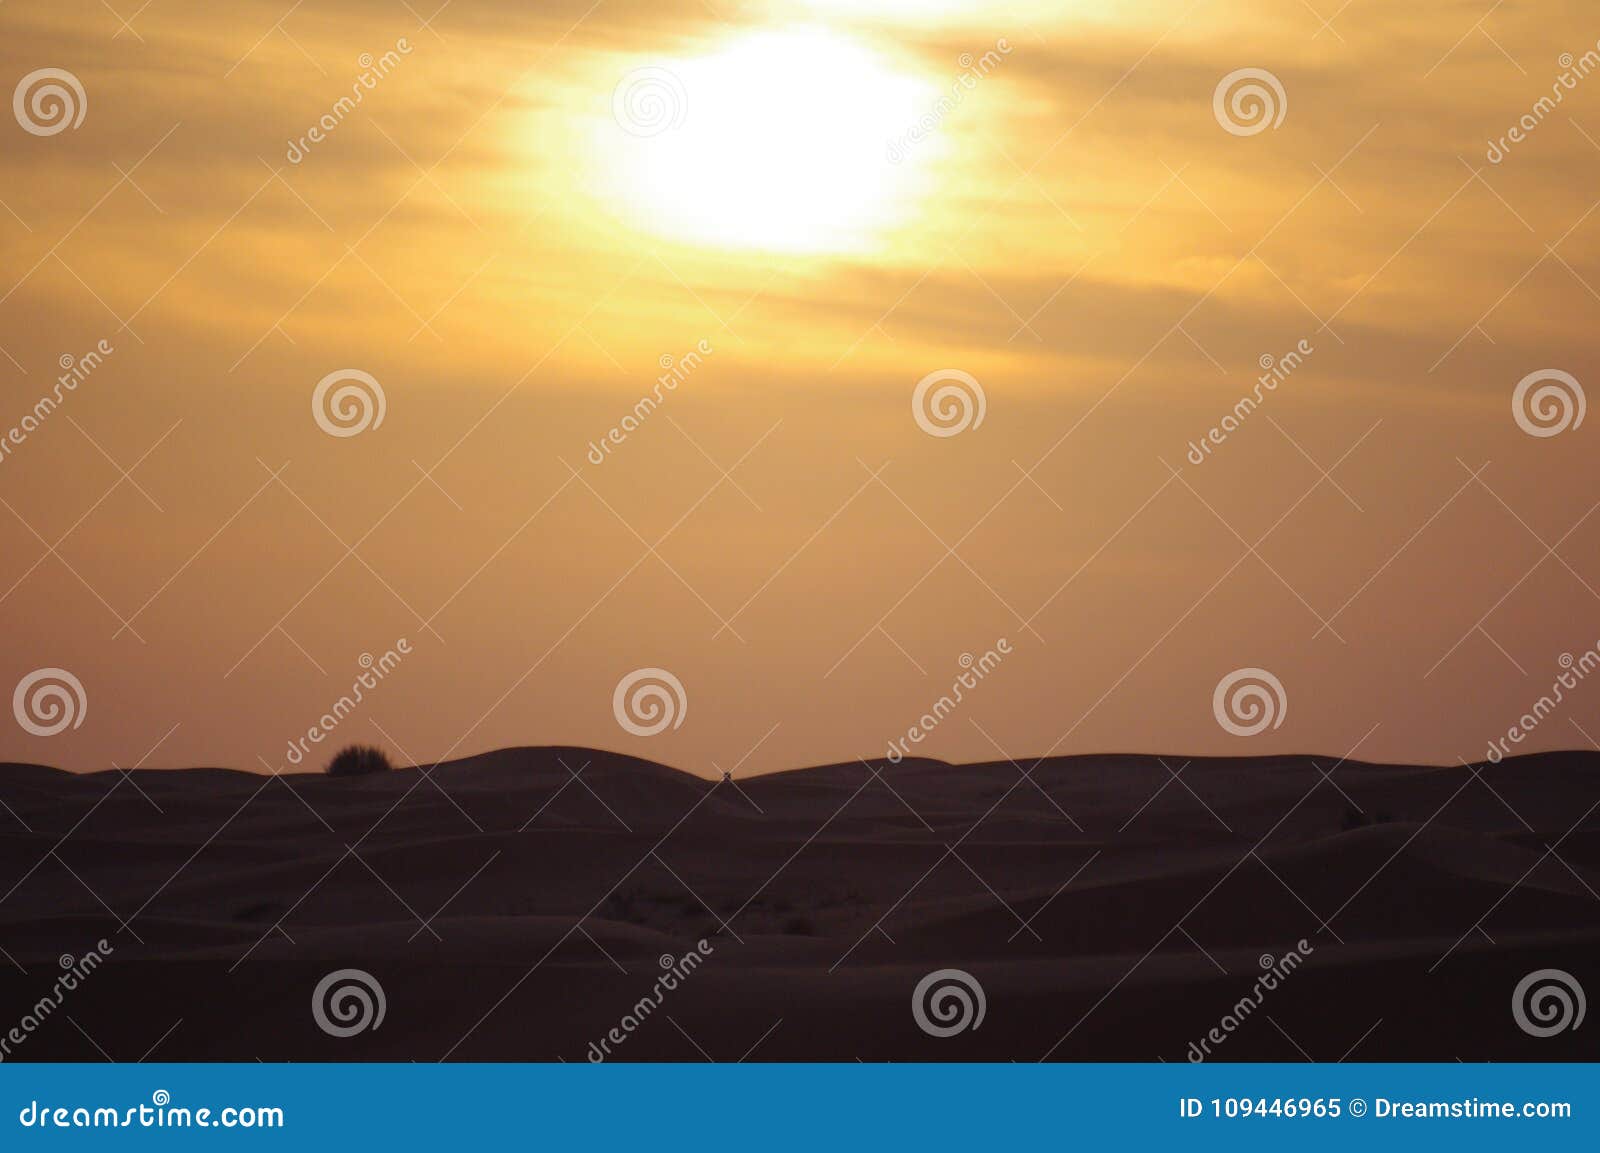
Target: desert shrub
x=1353 y=819
x=358 y=761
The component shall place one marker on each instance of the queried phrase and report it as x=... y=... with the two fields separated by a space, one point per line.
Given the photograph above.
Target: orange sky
x=825 y=209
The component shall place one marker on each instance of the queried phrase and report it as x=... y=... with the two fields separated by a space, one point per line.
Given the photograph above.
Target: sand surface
x=517 y=905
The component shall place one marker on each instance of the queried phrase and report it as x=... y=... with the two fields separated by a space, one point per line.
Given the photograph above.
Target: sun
x=786 y=140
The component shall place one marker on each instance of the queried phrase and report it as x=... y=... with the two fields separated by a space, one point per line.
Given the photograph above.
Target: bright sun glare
x=778 y=140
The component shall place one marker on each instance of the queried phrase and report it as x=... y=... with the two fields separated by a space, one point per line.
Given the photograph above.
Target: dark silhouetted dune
x=518 y=904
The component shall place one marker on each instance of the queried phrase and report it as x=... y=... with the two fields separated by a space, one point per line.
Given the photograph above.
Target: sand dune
x=517 y=904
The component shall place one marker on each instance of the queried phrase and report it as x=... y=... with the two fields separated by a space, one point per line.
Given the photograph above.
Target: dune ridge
x=514 y=902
